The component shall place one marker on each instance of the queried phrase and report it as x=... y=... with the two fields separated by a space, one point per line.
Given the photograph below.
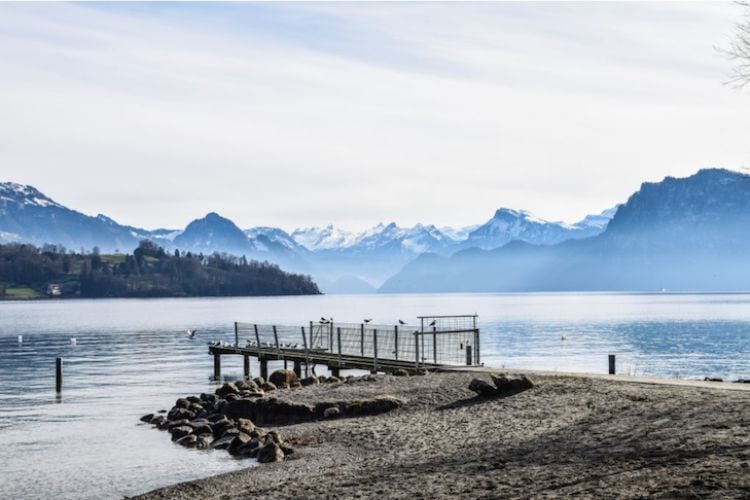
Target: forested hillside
x=27 y=271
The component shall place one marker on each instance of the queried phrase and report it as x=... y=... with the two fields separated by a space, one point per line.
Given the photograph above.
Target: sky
x=305 y=114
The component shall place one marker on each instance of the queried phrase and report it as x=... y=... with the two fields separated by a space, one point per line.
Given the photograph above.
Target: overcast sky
x=307 y=114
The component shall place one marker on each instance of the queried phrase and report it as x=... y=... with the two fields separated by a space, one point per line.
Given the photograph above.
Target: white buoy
x=72 y=341
x=20 y=339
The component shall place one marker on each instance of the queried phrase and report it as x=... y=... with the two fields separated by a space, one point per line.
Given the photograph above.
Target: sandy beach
x=567 y=437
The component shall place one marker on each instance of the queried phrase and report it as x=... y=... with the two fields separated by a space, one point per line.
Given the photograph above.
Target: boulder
x=204 y=441
x=188 y=441
x=268 y=386
x=223 y=442
x=274 y=436
x=313 y=380
x=237 y=442
x=713 y=379
x=195 y=407
x=332 y=380
x=401 y=372
x=331 y=412
x=164 y=425
x=157 y=420
x=193 y=399
x=250 y=448
x=259 y=381
x=322 y=379
x=245 y=425
x=271 y=452
x=283 y=377
x=381 y=404
x=247 y=385
x=511 y=385
x=226 y=389
x=221 y=427
x=148 y=418
x=180 y=413
x=182 y=403
x=482 y=388
x=232 y=397
x=208 y=399
x=181 y=431
x=202 y=429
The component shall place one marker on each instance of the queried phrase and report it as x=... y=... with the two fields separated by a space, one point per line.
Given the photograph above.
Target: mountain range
x=689 y=234
x=339 y=260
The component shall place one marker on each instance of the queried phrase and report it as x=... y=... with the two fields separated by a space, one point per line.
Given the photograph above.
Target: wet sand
x=570 y=436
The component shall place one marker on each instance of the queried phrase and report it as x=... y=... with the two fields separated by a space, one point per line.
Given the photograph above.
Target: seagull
x=563 y=337
x=401 y=322
x=191 y=333
x=433 y=323
x=72 y=341
x=367 y=320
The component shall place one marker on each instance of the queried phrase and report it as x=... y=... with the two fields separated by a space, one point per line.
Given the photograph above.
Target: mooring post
x=416 y=350
x=335 y=371
x=395 y=340
x=246 y=366
x=469 y=359
x=611 y=364
x=362 y=339
x=263 y=368
x=236 y=335
x=298 y=369
x=58 y=374
x=217 y=366
x=375 y=351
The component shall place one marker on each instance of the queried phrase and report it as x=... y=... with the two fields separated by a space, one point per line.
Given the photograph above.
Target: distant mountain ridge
x=688 y=234
x=343 y=260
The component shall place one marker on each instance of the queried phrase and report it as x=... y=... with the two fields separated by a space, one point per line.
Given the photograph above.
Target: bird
x=72 y=341
x=191 y=333
x=433 y=323
x=563 y=337
x=322 y=319
x=20 y=339
x=367 y=320
x=401 y=322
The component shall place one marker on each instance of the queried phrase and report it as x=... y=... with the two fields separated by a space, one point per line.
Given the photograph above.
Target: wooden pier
x=439 y=341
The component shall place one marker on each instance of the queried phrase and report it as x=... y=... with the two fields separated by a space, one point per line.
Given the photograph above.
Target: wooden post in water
x=236 y=335
x=307 y=355
x=246 y=366
x=611 y=364
x=469 y=359
x=263 y=368
x=217 y=367
x=58 y=374
x=298 y=369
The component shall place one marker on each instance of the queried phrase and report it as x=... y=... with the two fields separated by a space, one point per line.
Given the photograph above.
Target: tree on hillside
x=739 y=50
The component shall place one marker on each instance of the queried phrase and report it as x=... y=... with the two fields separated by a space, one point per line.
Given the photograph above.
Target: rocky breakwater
x=230 y=418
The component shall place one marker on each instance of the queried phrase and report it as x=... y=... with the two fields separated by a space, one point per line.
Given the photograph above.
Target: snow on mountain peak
x=11 y=192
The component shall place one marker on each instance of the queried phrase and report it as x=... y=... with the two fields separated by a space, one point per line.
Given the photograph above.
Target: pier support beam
x=263 y=369
x=611 y=364
x=298 y=369
x=58 y=374
x=217 y=367
x=246 y=366
x=335 y=371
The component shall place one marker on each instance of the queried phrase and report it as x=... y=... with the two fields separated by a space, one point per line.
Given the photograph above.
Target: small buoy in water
x=20 y=339
x=72 y=341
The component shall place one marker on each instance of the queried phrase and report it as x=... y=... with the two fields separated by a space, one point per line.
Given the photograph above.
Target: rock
x=249 y=448
x=245 y=425
x=313 y=380
x=188 y=441
x=204 y=441
x=332 y=380
x=237 y=442
x=331 y=412
x=713 y=379
x=322 y=379
x=223 y=442
x=282 y=377
x=253 y=394
x=208 y=399
x=219 y=404
x=157 y=420
x=274 y=436
x=247 y=385
x=296 y=384
x=269 y=411
x=164 y=425
x=217 y=418
x=181 y=431
x=195 y=407
x=221 y=427
x=182 y=403
x=193 y=399
x=268 y=386
x=271 y=452
x=482 y=388
x=401 y=372
x=287 y=450
x=147 y=418
x=511 y=385
x=162 y=411
x=202 y=429
x=180 y=413
x=232 y=397
x=259 y=381
x=381 y=404
x=226 y=389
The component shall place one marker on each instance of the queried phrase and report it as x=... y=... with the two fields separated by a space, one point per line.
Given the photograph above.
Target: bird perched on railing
x=367 y=320
x=401 y=322
x=433 y=323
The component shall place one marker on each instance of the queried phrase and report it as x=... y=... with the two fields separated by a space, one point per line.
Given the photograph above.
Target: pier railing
x=435 y=340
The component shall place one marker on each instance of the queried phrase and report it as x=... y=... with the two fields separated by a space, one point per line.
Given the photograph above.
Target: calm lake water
x=133 y=357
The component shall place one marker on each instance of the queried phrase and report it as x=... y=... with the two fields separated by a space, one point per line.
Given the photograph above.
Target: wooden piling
x=236 y=335
x=611 y=364
x=217 y=366
x=298 y=369
x=58 y=374
x=469 y=358
x=246 y=366
x=263 y=368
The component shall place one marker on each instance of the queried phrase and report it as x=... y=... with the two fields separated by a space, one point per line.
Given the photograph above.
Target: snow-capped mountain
x=520 y=225
x=261 y=236
x=213 y=233
x=324 y=238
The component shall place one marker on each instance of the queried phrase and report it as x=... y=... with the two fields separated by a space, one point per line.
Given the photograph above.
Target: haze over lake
x=133 y=357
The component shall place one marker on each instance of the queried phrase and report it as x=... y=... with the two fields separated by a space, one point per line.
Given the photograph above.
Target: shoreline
x=571 y=435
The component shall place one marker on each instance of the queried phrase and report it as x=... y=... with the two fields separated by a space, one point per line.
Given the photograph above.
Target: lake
x=133 y=357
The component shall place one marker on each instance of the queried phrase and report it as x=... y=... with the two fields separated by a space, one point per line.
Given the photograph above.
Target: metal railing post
x=476 y=346
x=434 y=344
x=257 y=337
x=338 y=339
x=375 y=350
x=416 y=350
x=330 y=337
x=312 y=341
x=362 y=339
x=307 y=354
x=395 y=340
x=276 y=339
